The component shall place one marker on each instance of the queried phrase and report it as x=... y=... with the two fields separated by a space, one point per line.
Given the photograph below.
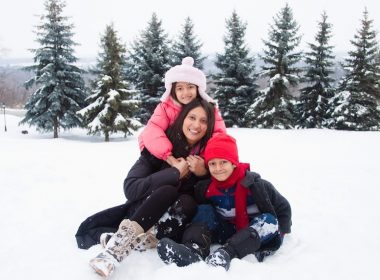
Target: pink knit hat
x=186 y=72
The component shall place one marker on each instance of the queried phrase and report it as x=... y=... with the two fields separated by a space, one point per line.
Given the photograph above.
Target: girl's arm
x=220 y=126
x=153 y=136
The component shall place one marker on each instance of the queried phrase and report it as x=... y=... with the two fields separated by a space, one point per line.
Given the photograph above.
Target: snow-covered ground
x=49 y=186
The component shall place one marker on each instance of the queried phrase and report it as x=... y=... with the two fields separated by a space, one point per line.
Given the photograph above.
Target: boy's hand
x=196 y=165
x=182 y=166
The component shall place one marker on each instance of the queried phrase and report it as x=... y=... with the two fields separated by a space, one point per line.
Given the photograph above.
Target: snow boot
x=173 y=252
x=219 y=258
x=241 y=244
x=144 y=241
x=104 y=238
x=118 y=246
x=195 y=246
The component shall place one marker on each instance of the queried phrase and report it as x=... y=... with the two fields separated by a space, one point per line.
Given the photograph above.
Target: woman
x=152 y=186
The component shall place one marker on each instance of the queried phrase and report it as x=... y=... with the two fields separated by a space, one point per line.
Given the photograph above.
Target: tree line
x=128 y=82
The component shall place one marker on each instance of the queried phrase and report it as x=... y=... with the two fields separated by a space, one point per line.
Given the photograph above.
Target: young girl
x=183 y=84
x=248 y=215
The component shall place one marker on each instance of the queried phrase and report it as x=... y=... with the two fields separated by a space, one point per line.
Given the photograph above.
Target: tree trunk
x=55 y=128
x=106 y=136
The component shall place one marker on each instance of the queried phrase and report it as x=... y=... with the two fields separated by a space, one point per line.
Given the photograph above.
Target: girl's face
x=195 y=125
x=185 y=92
x=221 y=169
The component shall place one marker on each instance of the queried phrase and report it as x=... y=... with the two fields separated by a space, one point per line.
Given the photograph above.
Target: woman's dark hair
x=175 y=132
x=174 y=96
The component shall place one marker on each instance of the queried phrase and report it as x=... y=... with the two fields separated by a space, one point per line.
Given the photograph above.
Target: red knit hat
x=222 y=146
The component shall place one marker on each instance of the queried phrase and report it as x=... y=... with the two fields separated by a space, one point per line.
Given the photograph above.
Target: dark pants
x=167 y=209
x=265 y=225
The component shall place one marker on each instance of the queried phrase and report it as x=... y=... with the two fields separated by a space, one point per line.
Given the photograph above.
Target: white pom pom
x=188 y=61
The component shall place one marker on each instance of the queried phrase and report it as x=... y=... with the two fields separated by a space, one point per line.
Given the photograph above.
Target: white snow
x=49 y=186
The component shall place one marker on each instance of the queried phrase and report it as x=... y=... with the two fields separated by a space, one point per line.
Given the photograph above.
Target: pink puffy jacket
x=153 y=136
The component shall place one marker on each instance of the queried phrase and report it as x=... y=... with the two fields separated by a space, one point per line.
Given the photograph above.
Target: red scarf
x=241 y=193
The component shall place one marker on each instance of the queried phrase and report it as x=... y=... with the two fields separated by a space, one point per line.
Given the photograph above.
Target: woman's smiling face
x=195 y=125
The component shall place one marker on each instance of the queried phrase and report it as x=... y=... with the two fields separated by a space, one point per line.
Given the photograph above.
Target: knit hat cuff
x=220 y=152
x=222 y=146
x=186 y=72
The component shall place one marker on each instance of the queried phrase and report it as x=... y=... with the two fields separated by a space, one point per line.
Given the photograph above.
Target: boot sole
x=102 y=265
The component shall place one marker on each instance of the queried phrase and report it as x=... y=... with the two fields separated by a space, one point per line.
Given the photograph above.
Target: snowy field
x=49 y=186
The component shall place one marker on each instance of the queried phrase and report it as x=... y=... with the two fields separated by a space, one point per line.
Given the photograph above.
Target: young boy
x=245 y=213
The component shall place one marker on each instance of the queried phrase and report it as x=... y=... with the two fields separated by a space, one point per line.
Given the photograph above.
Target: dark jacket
x=146 y=175
x=108 y=220
x=264 y=195
x=150 y=173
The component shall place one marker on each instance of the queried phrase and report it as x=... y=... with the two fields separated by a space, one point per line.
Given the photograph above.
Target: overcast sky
x=18 y=18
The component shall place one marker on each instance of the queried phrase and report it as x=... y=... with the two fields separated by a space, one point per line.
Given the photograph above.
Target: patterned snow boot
x=219 y=258
x=180 y=254
x=144 y=241
x=105 y=237
x=118 y=246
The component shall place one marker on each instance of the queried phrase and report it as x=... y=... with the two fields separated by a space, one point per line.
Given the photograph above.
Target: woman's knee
x=188 y=204
x=166 y=192
x=185 y=206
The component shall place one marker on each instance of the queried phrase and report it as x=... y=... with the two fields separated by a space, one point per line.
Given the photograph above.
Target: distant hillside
x=12 y=76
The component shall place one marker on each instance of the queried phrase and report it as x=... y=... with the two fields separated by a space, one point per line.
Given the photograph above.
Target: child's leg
x=266 y=226
x=196 y=240
x=206 y=215
x=262 y=229
x=220 y=229
x=271 y=240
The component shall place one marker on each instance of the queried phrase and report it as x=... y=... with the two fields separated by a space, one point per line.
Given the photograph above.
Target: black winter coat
x=146 y=175
x=264 y=194
x=150 y=173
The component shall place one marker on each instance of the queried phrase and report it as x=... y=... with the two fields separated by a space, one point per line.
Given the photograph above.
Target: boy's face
x=221 y=169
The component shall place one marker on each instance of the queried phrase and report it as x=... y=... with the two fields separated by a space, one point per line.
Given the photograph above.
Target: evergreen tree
x=274 y=106
x=111 y=106
x=147 y=64
x=187 y=44
x=313 y=102
x=378 y=57
x=354 y=107
x=235 y=86
x=61 y=90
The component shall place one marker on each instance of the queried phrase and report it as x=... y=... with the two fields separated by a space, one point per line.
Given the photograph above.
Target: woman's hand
x=196 y=165
x=182 y=166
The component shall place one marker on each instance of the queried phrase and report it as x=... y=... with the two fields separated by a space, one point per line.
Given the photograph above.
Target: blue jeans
x=265 y=224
